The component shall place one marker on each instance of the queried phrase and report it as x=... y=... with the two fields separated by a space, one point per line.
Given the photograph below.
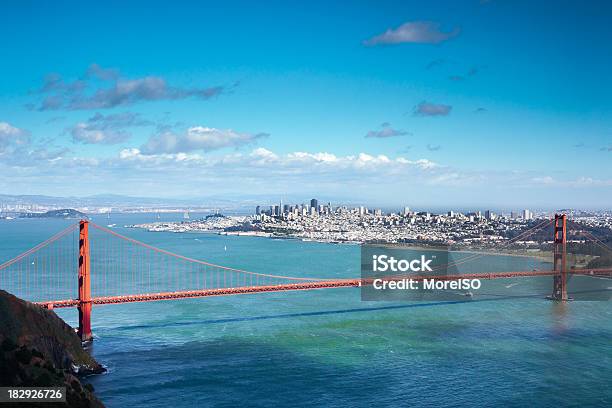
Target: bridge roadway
x=326 y=284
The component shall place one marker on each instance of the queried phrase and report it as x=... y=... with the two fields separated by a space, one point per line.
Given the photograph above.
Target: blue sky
x=458 y=103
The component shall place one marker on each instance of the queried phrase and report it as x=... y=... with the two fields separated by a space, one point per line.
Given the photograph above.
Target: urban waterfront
x=345 y=224
x=329 y=347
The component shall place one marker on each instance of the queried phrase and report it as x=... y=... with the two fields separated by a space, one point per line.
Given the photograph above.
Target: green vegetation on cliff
x=38 y=349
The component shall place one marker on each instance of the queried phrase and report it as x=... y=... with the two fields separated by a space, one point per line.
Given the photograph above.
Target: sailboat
x=108 y=217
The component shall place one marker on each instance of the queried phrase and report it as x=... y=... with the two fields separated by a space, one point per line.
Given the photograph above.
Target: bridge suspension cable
x=46 y=271
x=478 y=255
x=200 y=262
x=38 y=247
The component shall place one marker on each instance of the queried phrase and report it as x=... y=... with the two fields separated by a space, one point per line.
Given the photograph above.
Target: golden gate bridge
x=87 y=264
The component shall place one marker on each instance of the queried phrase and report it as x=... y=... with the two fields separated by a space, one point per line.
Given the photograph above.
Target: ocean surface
x=327 y=347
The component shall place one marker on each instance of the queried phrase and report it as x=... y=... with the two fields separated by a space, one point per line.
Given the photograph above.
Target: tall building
x=314 y=204
x=527 y=215
x=257 y=210
x=406 y=211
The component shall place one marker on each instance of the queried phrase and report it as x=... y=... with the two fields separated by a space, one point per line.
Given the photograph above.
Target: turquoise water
x=328 y=347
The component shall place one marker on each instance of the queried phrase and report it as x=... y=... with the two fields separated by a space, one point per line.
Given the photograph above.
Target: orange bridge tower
x=559 y=260
x=85 y=303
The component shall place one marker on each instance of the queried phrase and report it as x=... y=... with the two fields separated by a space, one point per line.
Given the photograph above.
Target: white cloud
x=83 y=133
x=12 y=138
x=17 y=150
x=579 y=182
x=431 y=109
x=12 y=134
x=414 y=32
x=198 y=138
x=7 y=130
x=263 y=154
x=543 y=180
x=135 y=155
x=425 y=164
x=127 y=154
x=317 y=157
x=386 y=131
x=105 y=88
x=106 y=129
x=298 y=163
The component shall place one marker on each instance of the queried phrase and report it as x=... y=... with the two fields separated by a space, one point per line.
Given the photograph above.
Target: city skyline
x=393 y=103
x=314 y=207
x=25 y=206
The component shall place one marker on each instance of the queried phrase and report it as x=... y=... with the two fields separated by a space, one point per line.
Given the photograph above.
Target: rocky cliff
x=40 y=349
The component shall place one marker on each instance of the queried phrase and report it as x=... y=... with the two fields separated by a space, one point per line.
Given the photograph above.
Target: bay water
x=328 y=347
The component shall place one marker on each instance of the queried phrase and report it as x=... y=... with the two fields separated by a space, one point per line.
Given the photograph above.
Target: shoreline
x=540 y=255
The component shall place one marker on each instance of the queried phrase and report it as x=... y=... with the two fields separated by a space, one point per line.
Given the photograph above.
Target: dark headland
x=38 y=349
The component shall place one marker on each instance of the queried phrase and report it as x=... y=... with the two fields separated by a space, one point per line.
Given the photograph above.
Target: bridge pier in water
x=85 y=303
x=559 y=261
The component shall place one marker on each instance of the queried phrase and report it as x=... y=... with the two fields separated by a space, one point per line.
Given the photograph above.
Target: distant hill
x=63 y=213
x=115 y=201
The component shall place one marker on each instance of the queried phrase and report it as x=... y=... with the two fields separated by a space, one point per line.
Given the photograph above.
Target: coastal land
x=472 y=232
x=38 y=349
